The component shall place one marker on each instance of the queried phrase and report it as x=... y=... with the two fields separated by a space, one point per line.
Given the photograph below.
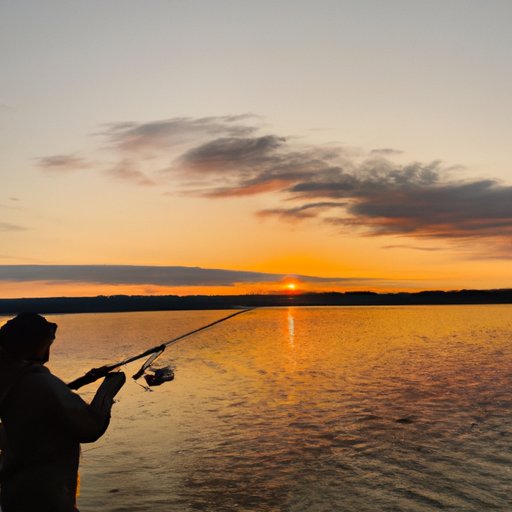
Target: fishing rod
x=154 y=352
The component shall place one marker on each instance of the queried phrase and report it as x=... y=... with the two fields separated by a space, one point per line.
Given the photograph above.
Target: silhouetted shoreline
x=119 y=303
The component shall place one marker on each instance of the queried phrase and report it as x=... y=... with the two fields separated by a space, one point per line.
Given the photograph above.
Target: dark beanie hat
x=25 y=332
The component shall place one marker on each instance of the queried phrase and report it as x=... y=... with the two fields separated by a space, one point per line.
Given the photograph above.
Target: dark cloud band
x=148 y=275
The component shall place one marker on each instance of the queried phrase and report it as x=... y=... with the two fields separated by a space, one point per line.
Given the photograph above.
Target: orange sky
x=358 y=148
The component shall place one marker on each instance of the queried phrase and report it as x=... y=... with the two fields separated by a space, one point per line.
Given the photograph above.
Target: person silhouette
x=42 y=421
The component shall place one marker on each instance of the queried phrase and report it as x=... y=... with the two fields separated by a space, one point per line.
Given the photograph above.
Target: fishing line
x=153 y=353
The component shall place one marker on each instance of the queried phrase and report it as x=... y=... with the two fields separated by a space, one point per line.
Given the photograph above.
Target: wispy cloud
x=144 y=150
x=18 y=258
x=298 y=213
x=386 y=152
x=231 y=156
x=153 y=138
x=62 y=163
x=5 y=226
x=127 y=171
x=150 y=275
x=413 y=247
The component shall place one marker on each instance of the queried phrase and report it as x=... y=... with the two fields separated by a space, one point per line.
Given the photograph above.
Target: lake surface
x=303 y=409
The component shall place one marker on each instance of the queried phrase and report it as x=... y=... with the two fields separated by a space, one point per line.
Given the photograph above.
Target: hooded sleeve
x=86 y=422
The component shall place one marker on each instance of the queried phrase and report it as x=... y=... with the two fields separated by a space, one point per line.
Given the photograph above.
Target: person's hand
x=113 y=382
x=104 y=397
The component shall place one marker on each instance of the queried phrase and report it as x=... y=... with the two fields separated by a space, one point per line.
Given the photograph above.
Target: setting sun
x=291 y=286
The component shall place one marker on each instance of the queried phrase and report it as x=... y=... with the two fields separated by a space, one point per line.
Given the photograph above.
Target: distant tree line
x=118 y=303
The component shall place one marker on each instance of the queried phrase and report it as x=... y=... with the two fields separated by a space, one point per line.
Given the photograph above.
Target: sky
x=220 y=146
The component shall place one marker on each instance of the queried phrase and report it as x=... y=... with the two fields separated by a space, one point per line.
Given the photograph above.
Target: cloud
x=62 y=163
x=249 y=189
x=367 y=193
x=416 y=200
x=149 y=275
x=160 y=136
x=298 y=213
x=425 y=208
x=239 y=166
x=126 y=171
x=134 y=144
x=386 y=152
x=17 y=258
x=5 y=226
x=412 y=247
x=228 y=153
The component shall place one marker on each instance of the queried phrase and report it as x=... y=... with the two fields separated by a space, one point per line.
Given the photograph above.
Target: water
x=303 y=409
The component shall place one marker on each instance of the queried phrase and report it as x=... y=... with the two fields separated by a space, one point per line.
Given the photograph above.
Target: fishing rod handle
x=91 y=376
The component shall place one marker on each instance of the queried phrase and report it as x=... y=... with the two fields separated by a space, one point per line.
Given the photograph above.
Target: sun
x=291 y=286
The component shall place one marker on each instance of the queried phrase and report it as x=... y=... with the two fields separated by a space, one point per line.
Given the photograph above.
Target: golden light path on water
x=303 y=409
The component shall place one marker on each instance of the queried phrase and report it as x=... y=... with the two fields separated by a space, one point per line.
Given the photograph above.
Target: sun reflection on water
x=291 y=328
